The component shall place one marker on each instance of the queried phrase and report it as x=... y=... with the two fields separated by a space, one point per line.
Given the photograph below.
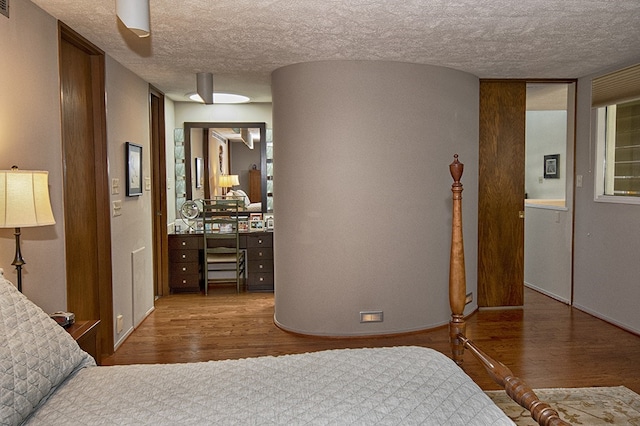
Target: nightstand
x=86 y=334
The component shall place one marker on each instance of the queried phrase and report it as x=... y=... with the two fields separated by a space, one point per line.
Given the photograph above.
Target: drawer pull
x=261 y=266
x=184 y=256
x=184 y=281
x=184 y=269
x=260 y=253
x=261 y=279
x=260 y=241
x=184 y=243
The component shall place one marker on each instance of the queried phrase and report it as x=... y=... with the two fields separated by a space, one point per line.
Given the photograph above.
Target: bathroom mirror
x=231 y=148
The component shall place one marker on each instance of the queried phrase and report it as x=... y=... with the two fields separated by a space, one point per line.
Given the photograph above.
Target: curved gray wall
x=363 y=198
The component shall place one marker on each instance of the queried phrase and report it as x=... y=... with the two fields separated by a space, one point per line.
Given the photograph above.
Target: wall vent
x=4 y=7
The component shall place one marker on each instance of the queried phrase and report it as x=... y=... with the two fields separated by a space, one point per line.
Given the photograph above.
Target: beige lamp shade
x=24 y=199
x=227 y=181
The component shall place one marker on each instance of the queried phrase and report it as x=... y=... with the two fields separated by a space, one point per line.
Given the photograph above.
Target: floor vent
x=4 y=7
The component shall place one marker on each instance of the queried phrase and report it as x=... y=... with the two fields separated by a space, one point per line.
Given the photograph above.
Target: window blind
x=616 y=87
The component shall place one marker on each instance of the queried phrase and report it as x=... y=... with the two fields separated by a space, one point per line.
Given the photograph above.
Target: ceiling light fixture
x=204 y=86
x=134 y=14
x=222 y=98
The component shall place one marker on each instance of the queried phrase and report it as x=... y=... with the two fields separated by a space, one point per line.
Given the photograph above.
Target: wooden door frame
x=103 y=285
x=158 y=193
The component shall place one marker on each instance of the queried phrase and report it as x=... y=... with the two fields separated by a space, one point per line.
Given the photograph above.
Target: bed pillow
x=240 y=193
x=36 y=355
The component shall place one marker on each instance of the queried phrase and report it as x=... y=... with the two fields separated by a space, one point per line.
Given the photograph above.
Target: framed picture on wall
x=133 y=155
x=552 y=166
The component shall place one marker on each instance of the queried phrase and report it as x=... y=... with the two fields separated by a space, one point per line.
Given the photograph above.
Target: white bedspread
x=384 y=386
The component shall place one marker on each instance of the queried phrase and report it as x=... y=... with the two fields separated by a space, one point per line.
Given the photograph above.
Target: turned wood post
x=457 y=278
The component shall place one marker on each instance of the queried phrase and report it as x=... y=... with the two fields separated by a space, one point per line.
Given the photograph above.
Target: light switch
x=147 y=183
x=117 y=208
x=579 y=181
x=115 y=186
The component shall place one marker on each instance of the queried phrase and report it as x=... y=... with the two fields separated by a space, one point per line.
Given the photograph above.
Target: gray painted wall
x=607 y=236
x=363 y=193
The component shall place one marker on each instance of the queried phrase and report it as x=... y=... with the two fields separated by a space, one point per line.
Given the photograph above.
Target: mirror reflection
x=225 y=159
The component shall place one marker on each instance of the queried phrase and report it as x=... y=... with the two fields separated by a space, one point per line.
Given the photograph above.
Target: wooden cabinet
x=184 y=262
x=86 y=334
x=255 y=186
x=260 y=261
x=186 y=259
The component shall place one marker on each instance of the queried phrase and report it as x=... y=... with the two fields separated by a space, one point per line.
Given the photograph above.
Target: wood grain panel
x=501 y=193
x=159 y=194
x=86 y=187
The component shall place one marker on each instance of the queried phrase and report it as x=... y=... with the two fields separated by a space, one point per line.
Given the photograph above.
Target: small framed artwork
x=255 y=222
x=256 y=225
x=243 y=225
x=199 y=175
x=552 y=166
x=133 y=155
x=268 y=221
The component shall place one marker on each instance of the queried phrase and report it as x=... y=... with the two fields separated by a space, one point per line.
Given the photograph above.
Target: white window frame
x=601 y=155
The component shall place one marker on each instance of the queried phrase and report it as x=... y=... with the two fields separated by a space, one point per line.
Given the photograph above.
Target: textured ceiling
x=242 y=41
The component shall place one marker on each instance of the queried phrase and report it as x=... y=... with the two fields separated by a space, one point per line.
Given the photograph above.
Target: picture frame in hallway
x=552 y=166
x=133 y=155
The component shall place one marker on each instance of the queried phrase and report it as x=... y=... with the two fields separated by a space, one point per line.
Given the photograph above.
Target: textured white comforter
x=384 y=386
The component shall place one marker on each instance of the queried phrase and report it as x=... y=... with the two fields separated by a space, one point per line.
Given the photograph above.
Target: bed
x=247 y=205
x=46 y=379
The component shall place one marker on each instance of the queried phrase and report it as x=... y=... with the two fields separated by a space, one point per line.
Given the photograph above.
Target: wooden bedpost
x=457 y=278
x=515 y=387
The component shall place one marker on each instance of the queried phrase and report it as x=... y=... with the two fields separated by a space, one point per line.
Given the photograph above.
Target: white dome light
x=222 y=98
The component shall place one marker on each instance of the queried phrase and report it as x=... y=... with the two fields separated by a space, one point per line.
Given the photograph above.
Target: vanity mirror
x=224 y=149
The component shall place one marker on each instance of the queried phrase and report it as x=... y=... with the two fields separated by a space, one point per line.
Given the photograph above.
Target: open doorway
x=549 y=142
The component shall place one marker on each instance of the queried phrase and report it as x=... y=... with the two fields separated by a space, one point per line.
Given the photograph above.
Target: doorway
x=502 y=189
x=549 y=141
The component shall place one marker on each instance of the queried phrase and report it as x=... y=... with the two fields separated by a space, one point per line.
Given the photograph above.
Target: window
x=616 y=97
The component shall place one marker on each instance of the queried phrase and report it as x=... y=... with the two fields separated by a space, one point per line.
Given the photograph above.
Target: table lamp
x=228 y=181
x=24 y=202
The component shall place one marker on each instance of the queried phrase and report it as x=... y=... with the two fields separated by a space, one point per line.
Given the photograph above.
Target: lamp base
x=18 y=261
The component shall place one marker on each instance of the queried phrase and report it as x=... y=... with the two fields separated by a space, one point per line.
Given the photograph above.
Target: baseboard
x=547 y=293
x=607 y=319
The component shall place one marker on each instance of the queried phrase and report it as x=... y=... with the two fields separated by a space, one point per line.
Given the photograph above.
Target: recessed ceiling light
x=221 y=98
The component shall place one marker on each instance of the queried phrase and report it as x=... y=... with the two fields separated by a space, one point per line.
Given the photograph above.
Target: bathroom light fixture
x=204 y=86
x=134 y=14
x=222 y=98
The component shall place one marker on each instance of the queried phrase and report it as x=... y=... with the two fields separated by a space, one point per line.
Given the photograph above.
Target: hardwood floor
x=546 y=343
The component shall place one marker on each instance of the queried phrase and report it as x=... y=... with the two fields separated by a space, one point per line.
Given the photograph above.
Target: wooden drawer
x=260 y=240
x=184 y=281
x=190 y=242
x=258 y=254
x=185 y=268
x=260 y=282
x=181 y=256
x=260 y=266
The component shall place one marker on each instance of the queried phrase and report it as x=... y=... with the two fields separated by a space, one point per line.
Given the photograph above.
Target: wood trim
x=159 y=194
x=99 y=288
